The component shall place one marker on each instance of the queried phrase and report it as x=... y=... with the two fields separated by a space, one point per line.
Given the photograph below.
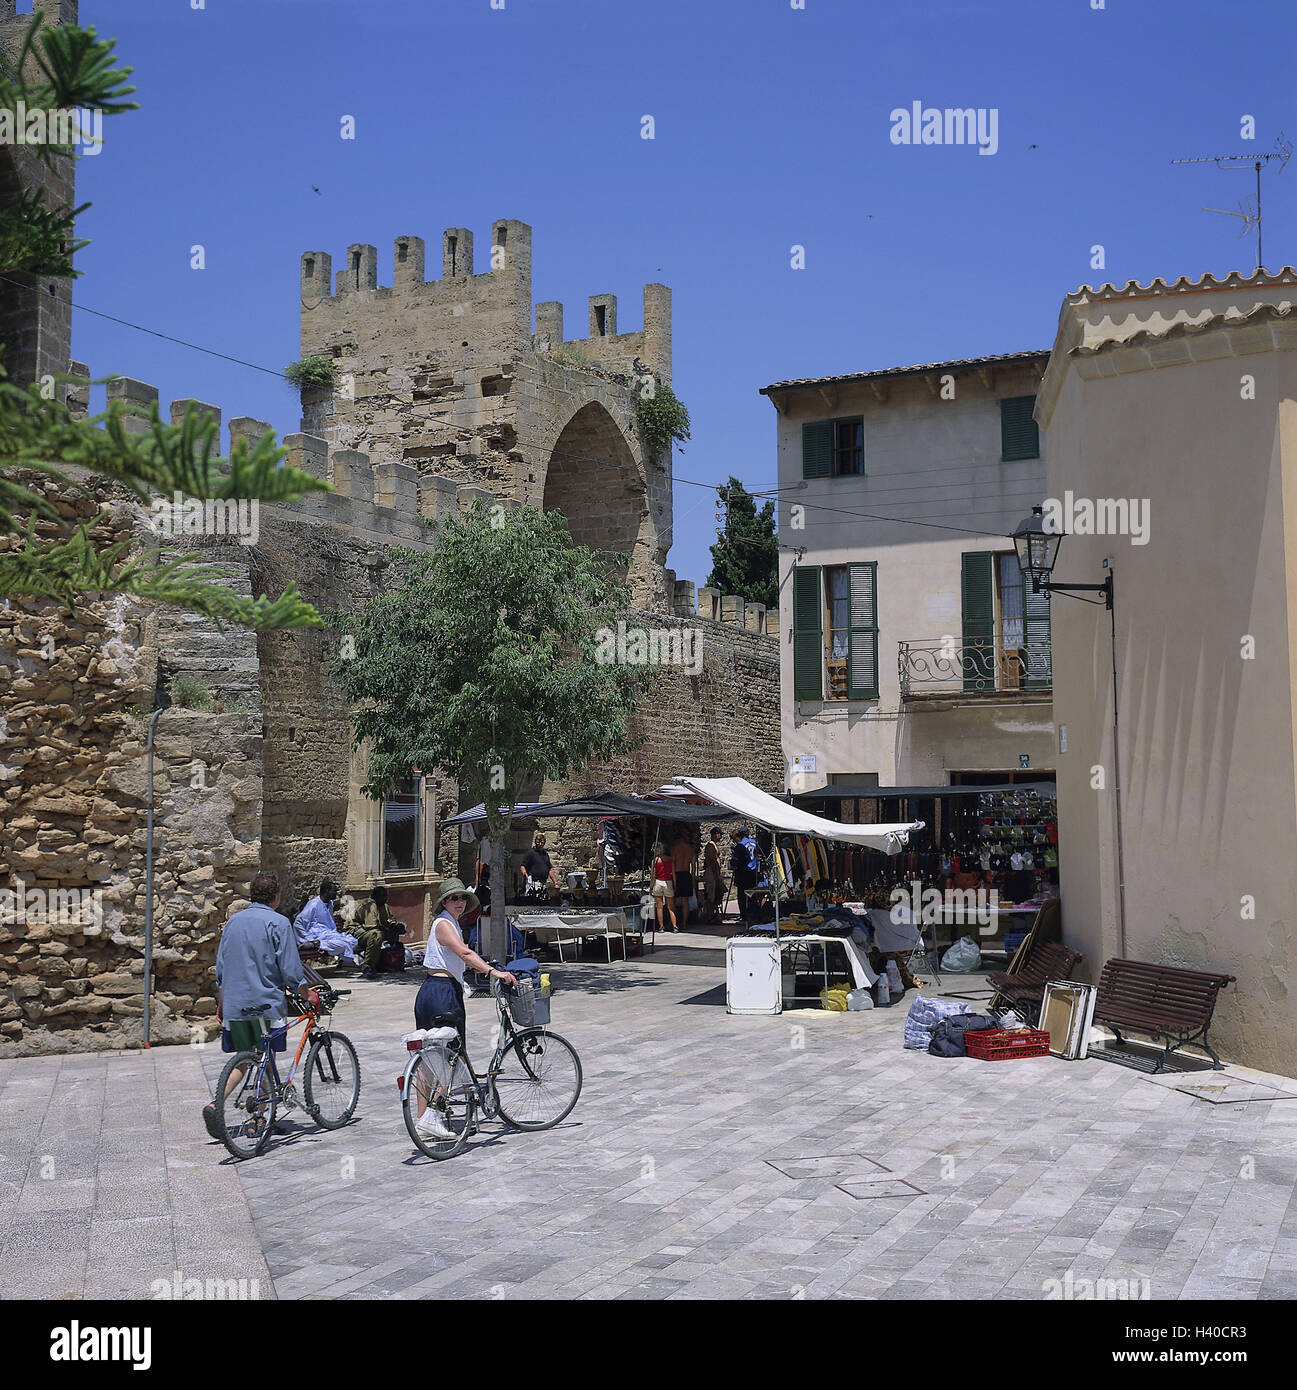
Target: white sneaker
x=431 y=1125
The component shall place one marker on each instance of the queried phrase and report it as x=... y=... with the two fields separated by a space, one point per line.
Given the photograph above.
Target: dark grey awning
x=600 y=805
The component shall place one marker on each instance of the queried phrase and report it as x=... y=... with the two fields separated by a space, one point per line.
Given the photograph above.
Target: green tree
x=488 y=659
x=62 y=68
x=745 y=558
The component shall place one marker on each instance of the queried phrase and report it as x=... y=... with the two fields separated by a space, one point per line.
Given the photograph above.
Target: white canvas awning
x=738 y=794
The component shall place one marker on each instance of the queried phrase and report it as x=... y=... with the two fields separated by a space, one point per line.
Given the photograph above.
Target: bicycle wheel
x=446 y=1094
x=247 y=1114
x=539 y=1080
x=332 y=1086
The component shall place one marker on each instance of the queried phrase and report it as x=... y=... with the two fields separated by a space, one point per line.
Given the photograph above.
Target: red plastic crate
x=999 y=1044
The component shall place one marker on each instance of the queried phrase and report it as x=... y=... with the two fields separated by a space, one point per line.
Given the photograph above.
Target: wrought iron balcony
x=940 y=666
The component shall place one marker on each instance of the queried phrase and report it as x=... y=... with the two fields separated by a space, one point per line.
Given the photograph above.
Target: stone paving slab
x=109 y=1182
x=662 y=1183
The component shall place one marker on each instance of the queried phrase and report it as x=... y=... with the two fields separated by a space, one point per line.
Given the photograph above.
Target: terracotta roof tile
x=1039 y=354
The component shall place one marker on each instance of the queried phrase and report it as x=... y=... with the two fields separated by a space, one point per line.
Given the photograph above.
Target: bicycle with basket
x=532 y=1082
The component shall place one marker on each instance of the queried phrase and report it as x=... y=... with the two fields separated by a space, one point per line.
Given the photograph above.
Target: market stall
x=604 y=902
x=998 y=838
x=757 y=968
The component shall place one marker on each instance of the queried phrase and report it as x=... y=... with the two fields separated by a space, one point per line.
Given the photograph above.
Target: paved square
x=903 y=1175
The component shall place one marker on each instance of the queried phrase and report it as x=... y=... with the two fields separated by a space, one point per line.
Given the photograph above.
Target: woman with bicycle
x=440 y=1001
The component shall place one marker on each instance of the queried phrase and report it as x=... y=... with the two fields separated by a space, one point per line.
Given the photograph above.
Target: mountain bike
x=532 y=1082
x=330 y=1080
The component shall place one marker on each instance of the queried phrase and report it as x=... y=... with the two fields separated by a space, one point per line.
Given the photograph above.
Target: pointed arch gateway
x=594 y=480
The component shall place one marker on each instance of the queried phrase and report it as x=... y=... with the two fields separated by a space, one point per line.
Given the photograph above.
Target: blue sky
x=772 y=129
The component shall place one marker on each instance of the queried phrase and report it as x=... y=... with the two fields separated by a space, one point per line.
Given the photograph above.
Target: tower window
x=452 y=243
x=402 y=251
x=309 y=267
x=600 y=319
x=500 y=240
x=355 y=266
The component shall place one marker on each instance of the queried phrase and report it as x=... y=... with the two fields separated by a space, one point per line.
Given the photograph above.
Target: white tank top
x=437 y=957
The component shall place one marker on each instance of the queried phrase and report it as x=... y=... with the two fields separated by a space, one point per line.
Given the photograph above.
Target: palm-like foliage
x=64 y=67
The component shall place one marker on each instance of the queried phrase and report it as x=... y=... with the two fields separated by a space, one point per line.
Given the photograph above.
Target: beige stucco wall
x=926 y=459
x=1206 y=735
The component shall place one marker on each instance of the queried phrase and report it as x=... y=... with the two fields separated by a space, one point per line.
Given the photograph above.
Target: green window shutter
x=862 y=646
x=1019 y=435
x=817 y=449
x=808 y=634
x=1036 y=639
x=977 y=591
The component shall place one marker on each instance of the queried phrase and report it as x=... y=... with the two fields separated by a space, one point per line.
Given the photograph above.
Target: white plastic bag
x=859 y=999
x=894 y=983
x=965 y=955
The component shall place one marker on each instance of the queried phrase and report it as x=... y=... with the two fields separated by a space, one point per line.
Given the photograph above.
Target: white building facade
x=912 y=654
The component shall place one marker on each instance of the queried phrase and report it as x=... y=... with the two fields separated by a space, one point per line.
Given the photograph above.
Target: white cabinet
x=752 y=977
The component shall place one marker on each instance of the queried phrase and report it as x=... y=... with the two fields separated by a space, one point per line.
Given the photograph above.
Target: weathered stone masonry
x=267 y=778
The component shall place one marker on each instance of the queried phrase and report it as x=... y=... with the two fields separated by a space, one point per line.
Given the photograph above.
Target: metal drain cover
x=884 y=1187
x=827 y=1166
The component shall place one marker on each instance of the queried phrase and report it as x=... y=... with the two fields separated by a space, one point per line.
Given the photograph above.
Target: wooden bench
x=1025 y=986
x=1164 y=1001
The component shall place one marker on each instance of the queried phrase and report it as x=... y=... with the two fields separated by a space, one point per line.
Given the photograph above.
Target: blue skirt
x=440 y=1004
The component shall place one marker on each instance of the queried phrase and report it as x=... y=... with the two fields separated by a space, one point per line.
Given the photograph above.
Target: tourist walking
x=256 y=962
x=663 y=888
x=440 y=1001
x=684 y=863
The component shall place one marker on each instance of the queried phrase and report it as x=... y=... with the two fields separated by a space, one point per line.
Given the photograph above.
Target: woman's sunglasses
x=456 y=898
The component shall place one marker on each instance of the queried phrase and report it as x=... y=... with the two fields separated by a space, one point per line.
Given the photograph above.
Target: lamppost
x=1037 y=550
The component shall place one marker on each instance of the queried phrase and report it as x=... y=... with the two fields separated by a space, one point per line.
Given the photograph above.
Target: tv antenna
x=1251 y=218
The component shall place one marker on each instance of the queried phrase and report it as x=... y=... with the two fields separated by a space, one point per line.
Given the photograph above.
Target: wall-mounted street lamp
x=1037 y=554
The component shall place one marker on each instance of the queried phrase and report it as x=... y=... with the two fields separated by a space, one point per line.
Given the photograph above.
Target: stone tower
x=447 y=375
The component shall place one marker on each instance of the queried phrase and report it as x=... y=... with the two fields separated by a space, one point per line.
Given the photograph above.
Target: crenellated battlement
x=347 y=315
x=383 y=502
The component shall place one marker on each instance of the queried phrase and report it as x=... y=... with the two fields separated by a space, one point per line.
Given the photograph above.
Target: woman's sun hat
x=455 y=885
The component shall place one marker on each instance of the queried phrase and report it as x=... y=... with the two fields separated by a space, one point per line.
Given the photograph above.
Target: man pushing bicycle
x=256 y=962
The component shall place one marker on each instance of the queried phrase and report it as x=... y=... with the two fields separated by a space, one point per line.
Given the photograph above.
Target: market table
x=572 y=925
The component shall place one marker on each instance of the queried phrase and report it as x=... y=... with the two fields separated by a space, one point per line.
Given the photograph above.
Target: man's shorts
x=245 y=1035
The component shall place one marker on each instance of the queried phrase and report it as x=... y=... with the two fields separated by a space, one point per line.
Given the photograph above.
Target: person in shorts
x=256 y=962
x=440 y=1001
x=683 y=863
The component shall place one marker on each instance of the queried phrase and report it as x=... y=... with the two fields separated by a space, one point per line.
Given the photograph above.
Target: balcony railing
x=940 y=666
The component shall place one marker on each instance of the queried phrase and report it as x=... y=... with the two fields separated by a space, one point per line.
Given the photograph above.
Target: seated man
x=376 y=928
x=314 y=925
